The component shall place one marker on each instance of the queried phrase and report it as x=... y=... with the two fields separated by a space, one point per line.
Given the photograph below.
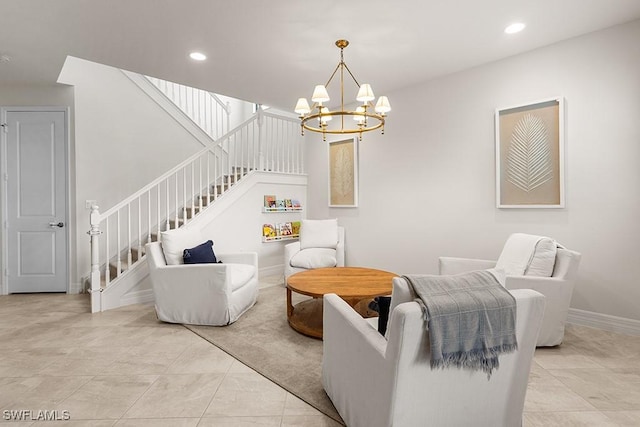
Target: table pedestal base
x=306 y=316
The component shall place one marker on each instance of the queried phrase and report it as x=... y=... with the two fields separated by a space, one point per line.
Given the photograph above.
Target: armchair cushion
x=174 y=242
x=314 y=258
x=319 y=233
x=526 y=254
x=201 y=254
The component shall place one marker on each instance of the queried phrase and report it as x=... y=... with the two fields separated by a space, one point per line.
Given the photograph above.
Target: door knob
x=56 y=224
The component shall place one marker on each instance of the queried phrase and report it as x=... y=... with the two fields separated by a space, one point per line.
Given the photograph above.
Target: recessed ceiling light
x=197 y=56
x=514 y=28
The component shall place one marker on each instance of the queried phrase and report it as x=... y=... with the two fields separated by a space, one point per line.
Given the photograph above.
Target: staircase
x=264 y=142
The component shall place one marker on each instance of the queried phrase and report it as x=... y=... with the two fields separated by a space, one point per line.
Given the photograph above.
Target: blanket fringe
x=485 y=360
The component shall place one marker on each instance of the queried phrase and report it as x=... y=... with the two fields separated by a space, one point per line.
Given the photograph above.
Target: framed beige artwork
x=530 y=155
x=343 y=173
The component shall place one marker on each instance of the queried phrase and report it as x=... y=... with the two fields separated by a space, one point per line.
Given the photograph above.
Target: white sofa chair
x=203 y=294
x=550 y=270
x=321 y=245
x=373 y=381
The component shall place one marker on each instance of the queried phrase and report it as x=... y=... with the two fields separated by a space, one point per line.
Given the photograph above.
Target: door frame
x=4 y=244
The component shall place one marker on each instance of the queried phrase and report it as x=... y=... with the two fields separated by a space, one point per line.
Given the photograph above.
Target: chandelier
x=364 y=118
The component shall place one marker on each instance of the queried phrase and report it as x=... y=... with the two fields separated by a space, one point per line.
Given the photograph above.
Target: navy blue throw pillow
x=201 y=254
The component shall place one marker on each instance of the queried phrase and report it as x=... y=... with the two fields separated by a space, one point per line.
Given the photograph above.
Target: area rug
x=263 y=340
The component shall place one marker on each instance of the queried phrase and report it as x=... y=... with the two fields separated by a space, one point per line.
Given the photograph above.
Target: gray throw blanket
x=471 y=319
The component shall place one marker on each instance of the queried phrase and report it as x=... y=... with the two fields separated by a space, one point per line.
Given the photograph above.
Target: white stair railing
x=265 y=142
x=204 y=108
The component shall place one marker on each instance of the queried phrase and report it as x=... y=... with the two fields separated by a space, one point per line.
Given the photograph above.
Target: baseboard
x=274 y=270
x=605 y=322
x=144 y=296
x=76 y=288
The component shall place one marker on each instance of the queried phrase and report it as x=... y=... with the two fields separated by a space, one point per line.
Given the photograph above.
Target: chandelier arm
x=351 y=74
x=333 y=74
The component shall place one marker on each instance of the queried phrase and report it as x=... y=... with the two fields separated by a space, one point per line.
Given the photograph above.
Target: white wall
x=235 y=225
x=41 y=96
x=427 y=187
x=124 y=140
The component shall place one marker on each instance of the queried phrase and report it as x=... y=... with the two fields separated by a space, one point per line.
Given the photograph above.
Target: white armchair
x=203 y=294
x=557 y=288
x=299 y=256
x=373 y=381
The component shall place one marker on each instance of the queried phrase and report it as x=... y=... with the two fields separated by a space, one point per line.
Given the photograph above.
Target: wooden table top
x=346 y=282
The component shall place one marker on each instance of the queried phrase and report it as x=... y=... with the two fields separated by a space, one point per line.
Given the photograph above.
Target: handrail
x=152 y=184
x=225 y=106
x=213 y=119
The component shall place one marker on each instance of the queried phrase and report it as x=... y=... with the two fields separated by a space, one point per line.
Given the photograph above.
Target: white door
x=36 y=201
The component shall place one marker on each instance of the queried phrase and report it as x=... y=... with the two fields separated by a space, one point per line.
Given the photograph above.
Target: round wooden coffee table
x=353 y=284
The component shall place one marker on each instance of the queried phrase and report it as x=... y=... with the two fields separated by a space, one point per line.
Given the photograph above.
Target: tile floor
x=124 y=368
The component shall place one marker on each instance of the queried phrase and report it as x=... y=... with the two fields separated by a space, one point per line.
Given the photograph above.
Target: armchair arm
x=354 y=360
x=451 y=265
x=557 y=293
x=289 y=251
x=250 y=258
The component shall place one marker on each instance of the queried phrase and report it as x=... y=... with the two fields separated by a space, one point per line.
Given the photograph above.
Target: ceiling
x=273 y=52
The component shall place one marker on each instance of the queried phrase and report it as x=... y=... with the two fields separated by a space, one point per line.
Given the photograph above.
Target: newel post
x=94 y=232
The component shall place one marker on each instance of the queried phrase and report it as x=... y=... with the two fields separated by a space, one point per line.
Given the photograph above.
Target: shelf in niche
x=277 y=210
x=279 y=238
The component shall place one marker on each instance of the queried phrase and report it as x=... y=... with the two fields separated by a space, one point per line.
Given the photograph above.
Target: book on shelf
x=285 y=228
x=295 y=204
x=280 y=205
x=295 y=228
x=268 y=231
x=287 y=203
x=269 y=201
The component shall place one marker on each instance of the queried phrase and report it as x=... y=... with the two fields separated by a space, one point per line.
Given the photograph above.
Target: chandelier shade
x=365 y=117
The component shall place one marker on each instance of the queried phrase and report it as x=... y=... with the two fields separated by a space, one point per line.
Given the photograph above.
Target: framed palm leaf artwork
x=530 y=155
x=343 y=173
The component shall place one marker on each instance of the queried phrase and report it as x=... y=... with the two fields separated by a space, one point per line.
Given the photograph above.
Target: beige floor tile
x=238 y=367
x=567 y=419
x=144 y=360
x=540 y=375
x=28 y=362
x=120 y=336
x=175 y=335
x=601 y=388
x=76 y=423
x=237 y=404
x=4 y=423
x=308 y=421
x=296 y=406
x=201 y=357
x=240 y=422
x=106 y=397
x=565 y=361
x=180 y=396
x=158 y=422
x=37 y=393
x=542 y=397
x=624 y=418
x=247 y=394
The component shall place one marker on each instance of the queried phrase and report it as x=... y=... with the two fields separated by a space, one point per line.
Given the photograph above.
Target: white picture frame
x=343 y=173
x=529 y=144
